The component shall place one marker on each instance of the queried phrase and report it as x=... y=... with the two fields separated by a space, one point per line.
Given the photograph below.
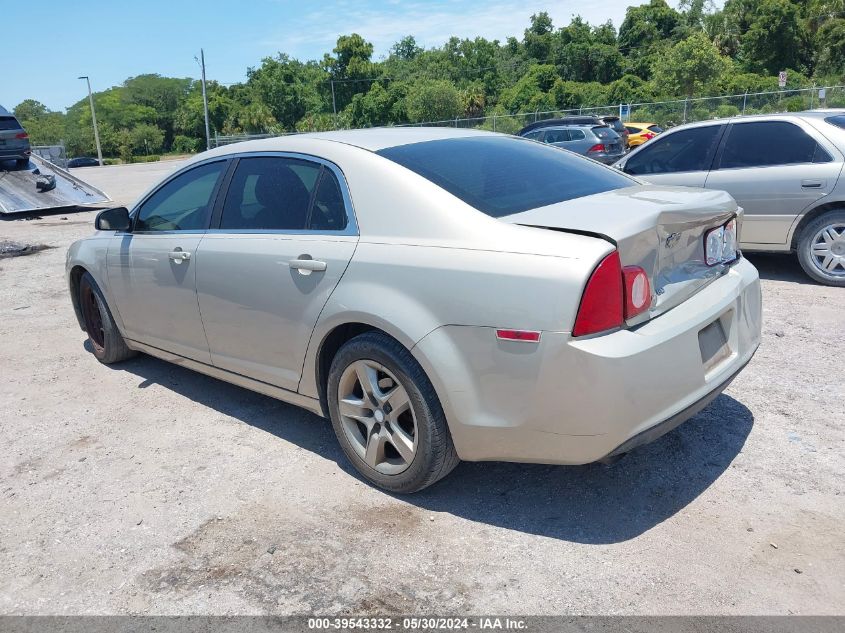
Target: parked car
x=14 y=141
x=83 y=161
x=598 y=142
x=784 y=170
x=440 y=294
x=639 y=133
x=613 y=122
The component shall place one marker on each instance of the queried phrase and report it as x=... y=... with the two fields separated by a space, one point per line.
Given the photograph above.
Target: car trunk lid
x=660 y=229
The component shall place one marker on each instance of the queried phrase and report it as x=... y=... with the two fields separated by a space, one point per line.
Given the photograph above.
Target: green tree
x=30 y=109
x=433 y=100
x=350 y=68
x=775 y=39
x=146 y=139
x=690 y=67
x=532 y=92
x=288 y=87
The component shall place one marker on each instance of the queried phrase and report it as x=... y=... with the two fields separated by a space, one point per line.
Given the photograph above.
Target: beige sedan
x=439 y=294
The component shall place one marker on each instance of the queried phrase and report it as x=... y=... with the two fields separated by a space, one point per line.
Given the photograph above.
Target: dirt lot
x=145 y=488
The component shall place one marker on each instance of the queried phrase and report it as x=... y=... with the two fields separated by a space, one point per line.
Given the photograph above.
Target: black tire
x=106 y=341
x=22 y=163
x=805 y=246
x=435 y=455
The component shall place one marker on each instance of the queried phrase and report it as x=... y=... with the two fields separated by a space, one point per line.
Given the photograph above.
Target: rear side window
x=577 y=135
x=556 y=136
x=684 y=150
x=9 y=123
x=328 y=213
x=533 y=135
x=268 y=193
x=504 y=175
x=768 y=143
x=655 y=128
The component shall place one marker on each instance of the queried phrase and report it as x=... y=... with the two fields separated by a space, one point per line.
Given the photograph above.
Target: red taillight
x=601 y=304
x=526 y=336
x=21 y=135
x=596 y=148
x=613 y=294
x=648 y=136
x=637 y=291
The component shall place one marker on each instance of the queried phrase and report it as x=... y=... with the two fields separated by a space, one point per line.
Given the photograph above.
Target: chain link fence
x=665 y=113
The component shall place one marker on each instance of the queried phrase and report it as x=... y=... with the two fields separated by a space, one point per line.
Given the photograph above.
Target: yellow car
x=639 y=133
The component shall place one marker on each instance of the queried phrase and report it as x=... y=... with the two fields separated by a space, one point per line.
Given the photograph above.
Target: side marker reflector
x=526 y=336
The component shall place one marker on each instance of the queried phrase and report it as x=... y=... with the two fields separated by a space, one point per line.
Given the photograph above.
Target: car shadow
x=780 y=267
x=592 y=504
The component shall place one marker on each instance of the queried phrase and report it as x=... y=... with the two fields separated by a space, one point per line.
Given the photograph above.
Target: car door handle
x=307 y=265
x=812 y=184
x=179 y=256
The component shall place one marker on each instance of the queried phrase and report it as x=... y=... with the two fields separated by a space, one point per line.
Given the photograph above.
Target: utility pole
x=205 y=101
x=94 y=120
x=334 y=105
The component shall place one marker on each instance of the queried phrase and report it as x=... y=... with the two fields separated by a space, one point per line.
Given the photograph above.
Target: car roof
x=638 y=123
x=375 y=139
x=774 y=116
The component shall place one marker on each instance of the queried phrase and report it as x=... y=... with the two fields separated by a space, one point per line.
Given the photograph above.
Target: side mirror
x=116 y=219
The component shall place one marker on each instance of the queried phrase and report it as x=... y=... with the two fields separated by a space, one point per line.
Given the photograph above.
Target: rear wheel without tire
x=386 y=415
x=821 y=248
x=107 y=343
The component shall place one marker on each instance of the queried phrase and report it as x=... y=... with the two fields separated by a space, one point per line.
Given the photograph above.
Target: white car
x=439 y=294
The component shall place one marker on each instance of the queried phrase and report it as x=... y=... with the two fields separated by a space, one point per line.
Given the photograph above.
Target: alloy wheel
x=377 y=417
x=827 y=249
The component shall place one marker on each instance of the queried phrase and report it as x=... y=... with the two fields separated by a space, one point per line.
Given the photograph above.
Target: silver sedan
x=439 y=294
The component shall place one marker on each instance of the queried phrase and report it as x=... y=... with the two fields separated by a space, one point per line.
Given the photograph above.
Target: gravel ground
x=146 y=488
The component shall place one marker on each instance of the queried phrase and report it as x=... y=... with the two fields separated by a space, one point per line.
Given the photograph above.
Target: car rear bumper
x=575 y=401
x=14 y=153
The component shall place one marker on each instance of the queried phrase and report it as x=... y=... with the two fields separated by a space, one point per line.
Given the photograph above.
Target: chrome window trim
x=351 y=219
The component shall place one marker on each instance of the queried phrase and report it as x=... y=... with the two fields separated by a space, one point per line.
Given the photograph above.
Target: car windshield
x=501 y=175
x=9 y=123
x=605 y=133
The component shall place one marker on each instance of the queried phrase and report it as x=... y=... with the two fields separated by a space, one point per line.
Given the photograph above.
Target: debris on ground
x=17 y=249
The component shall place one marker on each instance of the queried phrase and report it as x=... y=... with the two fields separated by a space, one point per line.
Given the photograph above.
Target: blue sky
x=52 y=42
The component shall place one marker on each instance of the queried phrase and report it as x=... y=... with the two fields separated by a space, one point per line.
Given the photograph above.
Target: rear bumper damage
x=575 y=401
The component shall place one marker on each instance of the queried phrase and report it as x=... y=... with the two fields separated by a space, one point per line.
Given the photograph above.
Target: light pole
x=94 y=120
x=201 y=62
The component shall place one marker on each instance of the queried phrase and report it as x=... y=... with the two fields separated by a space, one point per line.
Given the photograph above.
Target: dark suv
x=14 y=141
x=613 y=122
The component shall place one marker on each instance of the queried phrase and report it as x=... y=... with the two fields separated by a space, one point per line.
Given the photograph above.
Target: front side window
x=501 y=175
x=684 y=150
x=183 y=203
x=769 y=143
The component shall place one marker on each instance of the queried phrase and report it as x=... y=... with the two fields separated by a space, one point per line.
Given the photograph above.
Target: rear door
x=284 y=236
x=152 y=270
x=682 y=157
x=774 y=170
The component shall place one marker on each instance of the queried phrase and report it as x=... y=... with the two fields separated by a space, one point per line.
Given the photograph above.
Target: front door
x=152 y=269
x=774 y=170
x=283 y=241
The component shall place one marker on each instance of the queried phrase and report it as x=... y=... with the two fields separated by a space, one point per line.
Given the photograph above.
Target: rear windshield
x=501 y=175
x=9 y=123
x=655 y=128
x=838 y=120
x=605 y=133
